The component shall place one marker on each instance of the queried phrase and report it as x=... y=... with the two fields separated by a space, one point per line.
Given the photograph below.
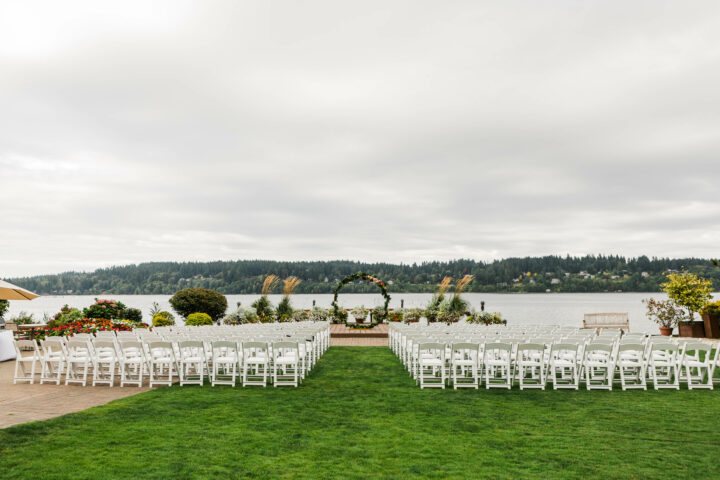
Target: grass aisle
x=359 y=415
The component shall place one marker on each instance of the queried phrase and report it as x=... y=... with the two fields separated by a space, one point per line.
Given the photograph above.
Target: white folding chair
x=256 y=363
x=431 y=365
x=105 y=360
x=286 y=363
x=162 y=363
x=133 y=363
x=497 y=361
x=698 y=364
x=663 y=365
x=23 y=358
x=631 y=364
x=192 y=362
x=530 y=365
x=563 y=366
x=53 y=359
x=464 y=364
x=79 y=360
x=225 y=360
x=598 y=366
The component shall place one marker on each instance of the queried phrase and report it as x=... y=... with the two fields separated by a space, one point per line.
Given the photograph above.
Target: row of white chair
x=534 y=365
x=285 y=359
x=467 y=356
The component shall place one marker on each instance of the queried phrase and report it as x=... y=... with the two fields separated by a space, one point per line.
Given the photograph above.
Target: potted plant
x=665 y=313
x=359 y=314
x=691 y=293
x=413 y=316
x=710 y=315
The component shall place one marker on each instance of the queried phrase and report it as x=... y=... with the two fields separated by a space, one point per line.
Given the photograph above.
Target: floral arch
x=358 y=276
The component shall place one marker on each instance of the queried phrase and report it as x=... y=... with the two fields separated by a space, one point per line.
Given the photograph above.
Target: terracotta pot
x=692 y=329
x=712 y=326
x=666 y=331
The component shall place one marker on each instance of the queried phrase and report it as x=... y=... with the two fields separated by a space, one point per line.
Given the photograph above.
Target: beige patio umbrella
x=8 y=291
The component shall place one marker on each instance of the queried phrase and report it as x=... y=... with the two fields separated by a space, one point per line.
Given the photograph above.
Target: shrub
x=448 y=317
x=103 y=308
x=22 y=318
x=379 y=314
x=133 y=314
x=688 y=291
x=413 y=315
x=396 y=315
x=202 y=300
x=711 y=309
x=284 y=309
x=300 y=316
x=241 y=316
x=263 y=307
x=485 y=318
x=65 y=315
x=665 y=313
x=163 y=319
x=318 y=314
x=340 y=317
x=198 y=318
x=4 y=306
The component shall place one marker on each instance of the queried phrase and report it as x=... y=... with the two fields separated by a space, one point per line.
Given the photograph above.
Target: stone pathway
x=23 y=402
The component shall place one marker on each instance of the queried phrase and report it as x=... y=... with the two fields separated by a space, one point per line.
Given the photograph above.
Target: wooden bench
x=599 y=321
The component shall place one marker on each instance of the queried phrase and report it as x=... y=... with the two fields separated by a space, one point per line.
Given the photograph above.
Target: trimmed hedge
x=199 y=300
x=163 y=319
x=198 y=318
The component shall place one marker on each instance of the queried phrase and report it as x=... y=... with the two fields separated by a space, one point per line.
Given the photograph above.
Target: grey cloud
x=401 y=131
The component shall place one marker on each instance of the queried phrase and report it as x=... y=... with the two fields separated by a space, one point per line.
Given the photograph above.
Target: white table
x=7 y=349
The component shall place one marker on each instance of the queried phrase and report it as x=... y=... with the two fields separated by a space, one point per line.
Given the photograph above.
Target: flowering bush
x=65 y=315
x=85 y=325
x=103 y=308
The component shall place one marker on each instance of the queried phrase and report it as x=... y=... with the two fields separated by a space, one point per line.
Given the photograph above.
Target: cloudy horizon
x=373 y=131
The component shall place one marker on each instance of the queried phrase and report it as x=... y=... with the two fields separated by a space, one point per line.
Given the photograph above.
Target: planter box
x=712 y=326
x=694 y=329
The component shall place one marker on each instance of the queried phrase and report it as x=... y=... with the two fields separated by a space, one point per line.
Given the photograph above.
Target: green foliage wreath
x=363 y=276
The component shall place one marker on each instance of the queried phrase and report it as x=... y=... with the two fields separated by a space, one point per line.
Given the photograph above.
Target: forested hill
x=531 y=274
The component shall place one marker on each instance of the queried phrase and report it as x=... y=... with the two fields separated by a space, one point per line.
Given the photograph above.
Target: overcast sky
x=379 y=131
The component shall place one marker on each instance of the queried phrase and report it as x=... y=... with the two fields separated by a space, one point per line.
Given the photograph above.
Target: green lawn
x=359 y=415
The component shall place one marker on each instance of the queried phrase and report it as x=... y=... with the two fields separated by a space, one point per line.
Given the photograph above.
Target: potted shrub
x=413 y=316
x=710 y=315
x=665 y=313
x=691 y=293
x=359 y=314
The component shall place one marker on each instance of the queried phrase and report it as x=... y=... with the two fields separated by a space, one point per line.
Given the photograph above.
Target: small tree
x=688 y=291
x=193 y=300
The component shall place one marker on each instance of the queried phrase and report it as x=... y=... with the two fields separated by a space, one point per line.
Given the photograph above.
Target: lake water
x=532 y=308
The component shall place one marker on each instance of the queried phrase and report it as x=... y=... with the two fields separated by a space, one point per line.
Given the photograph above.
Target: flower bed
x=86 y=325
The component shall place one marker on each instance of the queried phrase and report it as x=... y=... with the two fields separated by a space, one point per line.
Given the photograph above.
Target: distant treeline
x=531 y=274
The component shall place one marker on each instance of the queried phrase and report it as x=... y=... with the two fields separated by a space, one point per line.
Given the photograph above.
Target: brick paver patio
x=23 y=402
